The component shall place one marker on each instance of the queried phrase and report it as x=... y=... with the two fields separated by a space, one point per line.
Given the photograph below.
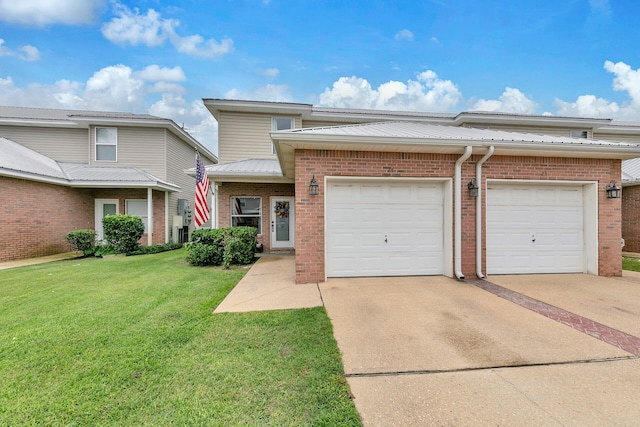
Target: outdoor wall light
x=473 y=188
x=613 y=191
x=313 y=187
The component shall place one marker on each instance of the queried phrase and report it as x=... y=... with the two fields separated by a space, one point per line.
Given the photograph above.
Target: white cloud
x=25 y=52
x=150 y=29
x=152 y=90
x=269 y=72
x=275 y=93
x=46 y=12
x=511 y=101
x=626 y=80
x=157 y=73
x=404 y=35
x=427 y=93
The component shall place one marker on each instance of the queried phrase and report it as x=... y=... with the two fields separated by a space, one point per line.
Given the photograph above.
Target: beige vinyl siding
x=143 y=148
x=634 y=139
x=61 y=144
x=244 y=136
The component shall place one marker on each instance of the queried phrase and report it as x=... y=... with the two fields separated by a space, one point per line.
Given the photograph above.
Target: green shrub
x=82 y=240
x=200 y=254
x=155 y=249
x=222 y=246
x=122 y=232
x=244 y=251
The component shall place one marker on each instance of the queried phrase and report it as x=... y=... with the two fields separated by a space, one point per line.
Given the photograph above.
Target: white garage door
x=535 y=229
x=384 y=228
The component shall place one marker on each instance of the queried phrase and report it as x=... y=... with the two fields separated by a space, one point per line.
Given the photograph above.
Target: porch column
x=166 y=217
x=150 y=217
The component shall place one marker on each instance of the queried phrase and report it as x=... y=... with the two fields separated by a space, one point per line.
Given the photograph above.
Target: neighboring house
x=62 y=170
x=393 y=194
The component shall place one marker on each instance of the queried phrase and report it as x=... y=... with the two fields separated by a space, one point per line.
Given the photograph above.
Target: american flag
x=201 y=213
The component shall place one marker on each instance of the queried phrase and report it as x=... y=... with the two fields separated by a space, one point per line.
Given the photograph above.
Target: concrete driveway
x=436 y=351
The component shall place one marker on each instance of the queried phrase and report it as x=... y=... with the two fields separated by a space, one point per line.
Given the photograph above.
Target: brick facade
x=263 y=190
x=124 y=194
x=631 y=218
x=310 y=210
x=35 y=217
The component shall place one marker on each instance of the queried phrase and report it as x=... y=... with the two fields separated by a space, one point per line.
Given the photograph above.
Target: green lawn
x=632 y=264
x=132 y=341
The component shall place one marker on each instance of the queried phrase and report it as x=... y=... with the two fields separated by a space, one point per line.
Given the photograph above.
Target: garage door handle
x=385 y=239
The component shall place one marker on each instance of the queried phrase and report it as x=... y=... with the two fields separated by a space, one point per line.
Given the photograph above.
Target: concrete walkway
x=39 y=260
x=436 y=351
x=271 y=285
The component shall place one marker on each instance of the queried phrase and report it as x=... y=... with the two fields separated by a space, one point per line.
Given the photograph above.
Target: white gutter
x=458 y=211
x=479 y=213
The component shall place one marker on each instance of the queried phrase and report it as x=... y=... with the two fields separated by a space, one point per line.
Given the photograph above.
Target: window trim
x=96 y=144
x=274 y=128
x=143 y=217
x=259 y=215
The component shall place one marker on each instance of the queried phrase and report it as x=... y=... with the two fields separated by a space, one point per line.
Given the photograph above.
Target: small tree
x=122 y=232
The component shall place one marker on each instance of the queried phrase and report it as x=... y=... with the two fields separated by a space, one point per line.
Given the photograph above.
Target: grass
x=629 y=263
x=133 y=341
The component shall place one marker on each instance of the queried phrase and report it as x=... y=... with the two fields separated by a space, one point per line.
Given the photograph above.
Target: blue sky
x=571 y=58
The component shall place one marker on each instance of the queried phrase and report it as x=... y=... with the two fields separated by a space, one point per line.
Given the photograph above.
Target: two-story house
x=385 y=193
x=62 y=170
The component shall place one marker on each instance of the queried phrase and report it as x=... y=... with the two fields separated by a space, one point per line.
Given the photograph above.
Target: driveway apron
x=436 y=351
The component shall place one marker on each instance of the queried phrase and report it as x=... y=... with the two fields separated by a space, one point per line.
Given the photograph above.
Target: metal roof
x=21 y=162
x=259 y=170
x=17 y=157
x=419 y=137
x=414 y=130
x=631 y=171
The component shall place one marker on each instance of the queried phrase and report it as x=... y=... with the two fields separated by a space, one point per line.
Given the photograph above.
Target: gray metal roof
x=17 y=157
x=256 y=166
x=415 y=130
x=22 y=162
x=631 y=171
x=250 y=170
x=28 y=113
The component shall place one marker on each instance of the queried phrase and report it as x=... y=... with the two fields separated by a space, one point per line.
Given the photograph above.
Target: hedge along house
x=395 y=193
x=62 y=170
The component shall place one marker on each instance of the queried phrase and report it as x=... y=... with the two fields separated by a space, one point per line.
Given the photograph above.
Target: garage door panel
x=535 y=229
x=409 y=215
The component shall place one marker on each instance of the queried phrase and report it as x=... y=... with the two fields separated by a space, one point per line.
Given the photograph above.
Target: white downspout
x=479 y=213
x=458 y=211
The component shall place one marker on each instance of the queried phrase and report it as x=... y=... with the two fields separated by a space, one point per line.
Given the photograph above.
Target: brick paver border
x=597 y=330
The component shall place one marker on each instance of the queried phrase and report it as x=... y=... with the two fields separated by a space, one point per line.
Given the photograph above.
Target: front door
x=282 y=222
x=104 y=207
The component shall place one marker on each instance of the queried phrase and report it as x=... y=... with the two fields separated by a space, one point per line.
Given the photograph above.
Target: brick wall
x=35 y=217
x=310 y=210
x=138 y=194
x=263 y=190
x=631 y=218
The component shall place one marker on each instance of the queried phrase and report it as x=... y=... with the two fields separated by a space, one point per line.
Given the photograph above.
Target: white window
x=247 y=211
x=281 y=123
x=138 y=208
x=106 y=144
x=579 y=134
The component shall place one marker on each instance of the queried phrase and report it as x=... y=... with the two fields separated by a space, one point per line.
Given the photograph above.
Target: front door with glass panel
x=282 y=222
x=104 y=207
